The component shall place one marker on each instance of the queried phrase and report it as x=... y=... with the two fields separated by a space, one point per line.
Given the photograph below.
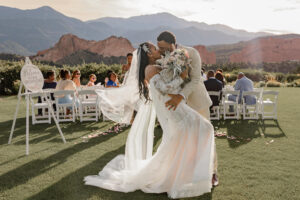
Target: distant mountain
x=146 y=25
x=12 y=47
x=40 y=28
x=27 y=31
x=264 y=49
x=269 y=49
x=71 y=49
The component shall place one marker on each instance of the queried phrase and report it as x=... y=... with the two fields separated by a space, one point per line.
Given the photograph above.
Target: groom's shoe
x=215 y=180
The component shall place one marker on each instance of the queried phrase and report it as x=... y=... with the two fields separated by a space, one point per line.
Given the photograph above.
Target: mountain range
x=26 y=32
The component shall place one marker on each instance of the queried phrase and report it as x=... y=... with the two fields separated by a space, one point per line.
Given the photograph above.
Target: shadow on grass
x=43 y=132
x=244 y=131
x=72 y=186
x=39 y=166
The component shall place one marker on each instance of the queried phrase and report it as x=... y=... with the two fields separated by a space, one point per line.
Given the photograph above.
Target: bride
x=183 y=163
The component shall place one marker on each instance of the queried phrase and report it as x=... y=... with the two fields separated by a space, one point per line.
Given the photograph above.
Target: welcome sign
x=32 y=77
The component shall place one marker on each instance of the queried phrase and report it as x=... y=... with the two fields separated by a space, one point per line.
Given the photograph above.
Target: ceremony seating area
x=265 y=106
x=83 y=107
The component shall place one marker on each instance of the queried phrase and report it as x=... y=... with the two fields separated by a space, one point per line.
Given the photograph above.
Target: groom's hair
x=167 y=36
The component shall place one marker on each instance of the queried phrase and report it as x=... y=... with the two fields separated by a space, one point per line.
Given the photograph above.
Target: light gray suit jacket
x=195 y=92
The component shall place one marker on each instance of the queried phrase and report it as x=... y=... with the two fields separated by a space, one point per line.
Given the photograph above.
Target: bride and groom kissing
x=157 y=86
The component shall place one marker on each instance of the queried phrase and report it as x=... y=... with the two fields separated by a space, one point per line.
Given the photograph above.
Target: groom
x=194 y=92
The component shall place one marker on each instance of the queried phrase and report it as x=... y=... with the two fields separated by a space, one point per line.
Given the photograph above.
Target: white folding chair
x=260 y=90
x=250 y=111
x=226 y=104
x=43 y=105
x=61 y=108
x=268 y=103
x=215 y=110
x=88 y=105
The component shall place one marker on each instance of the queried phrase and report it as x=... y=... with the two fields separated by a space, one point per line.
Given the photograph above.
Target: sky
x=276 y=16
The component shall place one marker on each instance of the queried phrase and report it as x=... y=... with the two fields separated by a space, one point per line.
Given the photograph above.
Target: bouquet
x=178 y=61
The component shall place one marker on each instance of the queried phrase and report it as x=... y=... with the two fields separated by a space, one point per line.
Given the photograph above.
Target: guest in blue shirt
x=243 y=84
x=112 y=81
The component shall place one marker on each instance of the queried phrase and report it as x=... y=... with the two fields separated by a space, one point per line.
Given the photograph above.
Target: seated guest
x=203 y=74
x=219 y=71
x=243 y=84
x=76 y=78
x=220 y=77
x=66 y=84
x=49 y=83
x=212 y=84
x=92 y=81
x=112 y=81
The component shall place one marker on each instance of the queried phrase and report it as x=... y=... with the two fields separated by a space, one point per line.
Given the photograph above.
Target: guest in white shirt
x=66 y=84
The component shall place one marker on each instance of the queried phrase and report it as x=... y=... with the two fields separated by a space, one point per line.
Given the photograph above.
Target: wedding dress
x=183 y=163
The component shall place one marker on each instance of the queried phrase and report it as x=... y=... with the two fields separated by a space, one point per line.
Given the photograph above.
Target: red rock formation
x=206 y=56
x=68 y=44
x=269 y=49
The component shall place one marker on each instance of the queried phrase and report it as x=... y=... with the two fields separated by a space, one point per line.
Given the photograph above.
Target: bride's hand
x=174 y=101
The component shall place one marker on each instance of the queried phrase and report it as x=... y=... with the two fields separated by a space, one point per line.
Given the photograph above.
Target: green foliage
x=273 y=84
x=261 y=84
x=230 y=77
x=282 y=67
x=292 y=77
x=10 y=73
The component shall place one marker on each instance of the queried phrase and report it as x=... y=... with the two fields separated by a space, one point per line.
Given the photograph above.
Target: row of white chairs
x=265 y=105
x=84 y=105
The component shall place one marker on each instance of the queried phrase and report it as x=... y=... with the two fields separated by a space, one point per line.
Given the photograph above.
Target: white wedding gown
x=183 y=163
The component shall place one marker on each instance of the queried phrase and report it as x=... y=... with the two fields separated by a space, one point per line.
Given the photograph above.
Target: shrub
x=230 y=77
x=296 y=83
x=280 y=77
x=291 y=77
x=261 y=84
x=10 y=73
x=255 y=75
x=273 y=84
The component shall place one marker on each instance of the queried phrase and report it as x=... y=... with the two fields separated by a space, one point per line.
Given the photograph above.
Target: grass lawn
x=262 y=163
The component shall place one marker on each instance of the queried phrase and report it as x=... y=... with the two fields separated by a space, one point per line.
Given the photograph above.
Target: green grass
x=255 y=169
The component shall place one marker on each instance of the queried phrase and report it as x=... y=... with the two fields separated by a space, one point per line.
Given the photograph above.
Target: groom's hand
x=174 y=101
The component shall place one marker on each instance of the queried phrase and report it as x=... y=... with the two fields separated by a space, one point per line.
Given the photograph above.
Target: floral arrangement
x=178 y=61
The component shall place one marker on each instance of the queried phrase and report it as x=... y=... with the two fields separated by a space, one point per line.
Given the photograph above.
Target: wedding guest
x=219 y=76
x=219 y=71
x=76 y=77
x=112 y=81
x=92 y=79
x=49 y=83
x=66 y=84
x=212 y=84
x=203 y=74
x=126 y=67
x=243 y=84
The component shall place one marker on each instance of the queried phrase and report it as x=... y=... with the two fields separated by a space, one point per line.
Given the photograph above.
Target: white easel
x=32 y=79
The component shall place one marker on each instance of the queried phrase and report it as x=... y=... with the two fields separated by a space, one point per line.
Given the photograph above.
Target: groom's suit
x=195 y=92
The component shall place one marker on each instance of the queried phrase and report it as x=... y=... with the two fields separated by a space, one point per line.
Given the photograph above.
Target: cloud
x=284 y=9
x=276 y=31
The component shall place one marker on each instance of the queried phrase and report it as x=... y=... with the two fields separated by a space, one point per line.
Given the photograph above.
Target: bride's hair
x=144 y=62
